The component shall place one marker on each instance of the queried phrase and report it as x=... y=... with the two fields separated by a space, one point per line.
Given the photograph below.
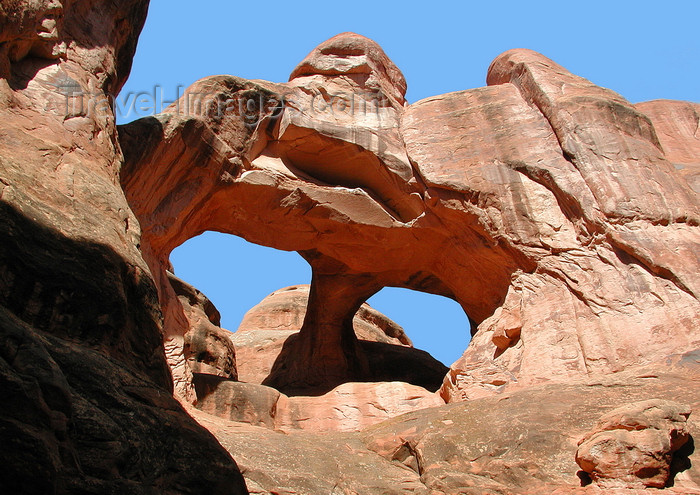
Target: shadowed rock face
x=548 y=207
x=208 y=348
x=556 y=213
x=32 y=28
x=87 y=394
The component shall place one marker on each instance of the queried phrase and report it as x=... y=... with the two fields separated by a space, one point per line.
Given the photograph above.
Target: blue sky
x=643 y=50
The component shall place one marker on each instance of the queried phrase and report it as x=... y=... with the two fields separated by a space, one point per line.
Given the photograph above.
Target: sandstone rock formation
x=561 y=217
x=552 y=213
x=260 y=342
x=553 y=216
x=30 y=29
x=267 y=326
x=207 y=347
x=348 y=407
x=87 y=403
x=633 y=444
x=269 y=329
x=520 y=443
x=284 y=311
x=677 y=125
x=525 y=441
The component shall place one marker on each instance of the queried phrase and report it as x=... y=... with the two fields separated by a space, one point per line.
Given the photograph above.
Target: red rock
x=521 y=443
x=88 y=402
x=525 y=442
x=360 y=59
x=632 y=446
x=273 y=325
x=304 y=462
x=676 y=124
x=207 y=346
x=551 y=209
x=348 y=407
x=236 y=401
x=30 y=28
x=284 y=310
x=267 y=326
x=261 y=337
x=536 y=214
x=354 y=406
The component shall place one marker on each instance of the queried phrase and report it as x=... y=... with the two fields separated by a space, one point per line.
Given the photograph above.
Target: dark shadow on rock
x=136 y=139
x=81 y=292
x=206 y=384
x=24 y=71
x=681 y=460
x=387 y=363
x=87 y=404
x=584 y=477
x=119 y=28
x=76 y=421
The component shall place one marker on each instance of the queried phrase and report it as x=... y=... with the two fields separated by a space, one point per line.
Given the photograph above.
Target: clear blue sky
x=643 y=50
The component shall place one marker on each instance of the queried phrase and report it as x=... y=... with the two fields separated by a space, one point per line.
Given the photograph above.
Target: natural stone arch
x=518 y=215
x=274 y=316
x=84 y=315
x=174 y=218
x=435 y=323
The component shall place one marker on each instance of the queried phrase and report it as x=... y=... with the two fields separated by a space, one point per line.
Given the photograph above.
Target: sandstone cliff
x=550 y=211
x=561 y=217
x=87 y=402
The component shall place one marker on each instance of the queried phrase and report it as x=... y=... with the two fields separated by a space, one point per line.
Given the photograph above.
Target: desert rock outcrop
x=87 y=394
x=267 y=331
x=553 y=217
x=562 y=218
x=632 y=446
x=520 y=443
x=348 y=407
x=207 y=346
x=402 y=379
x=677 y=125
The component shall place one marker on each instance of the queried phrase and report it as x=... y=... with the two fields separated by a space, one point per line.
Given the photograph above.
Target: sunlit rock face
x=562 y=218
x=551 y=209
x=677 y=125
x=401 y=379
x=633 y=446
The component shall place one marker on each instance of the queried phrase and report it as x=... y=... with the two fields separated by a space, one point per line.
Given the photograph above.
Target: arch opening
x=262 y=296
x=217 y=264
x=436 y=324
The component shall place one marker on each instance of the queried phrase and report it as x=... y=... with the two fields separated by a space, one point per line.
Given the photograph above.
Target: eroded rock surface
x=521 y=443
x=268 y=330
x=561 y=217
x=633 y=445
x=545 y=205
x=88 y=401
x=525 y=441
x=207 y=346
x=261 y=340
x=348 y=407
x=299 y=462
x=677 y=125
